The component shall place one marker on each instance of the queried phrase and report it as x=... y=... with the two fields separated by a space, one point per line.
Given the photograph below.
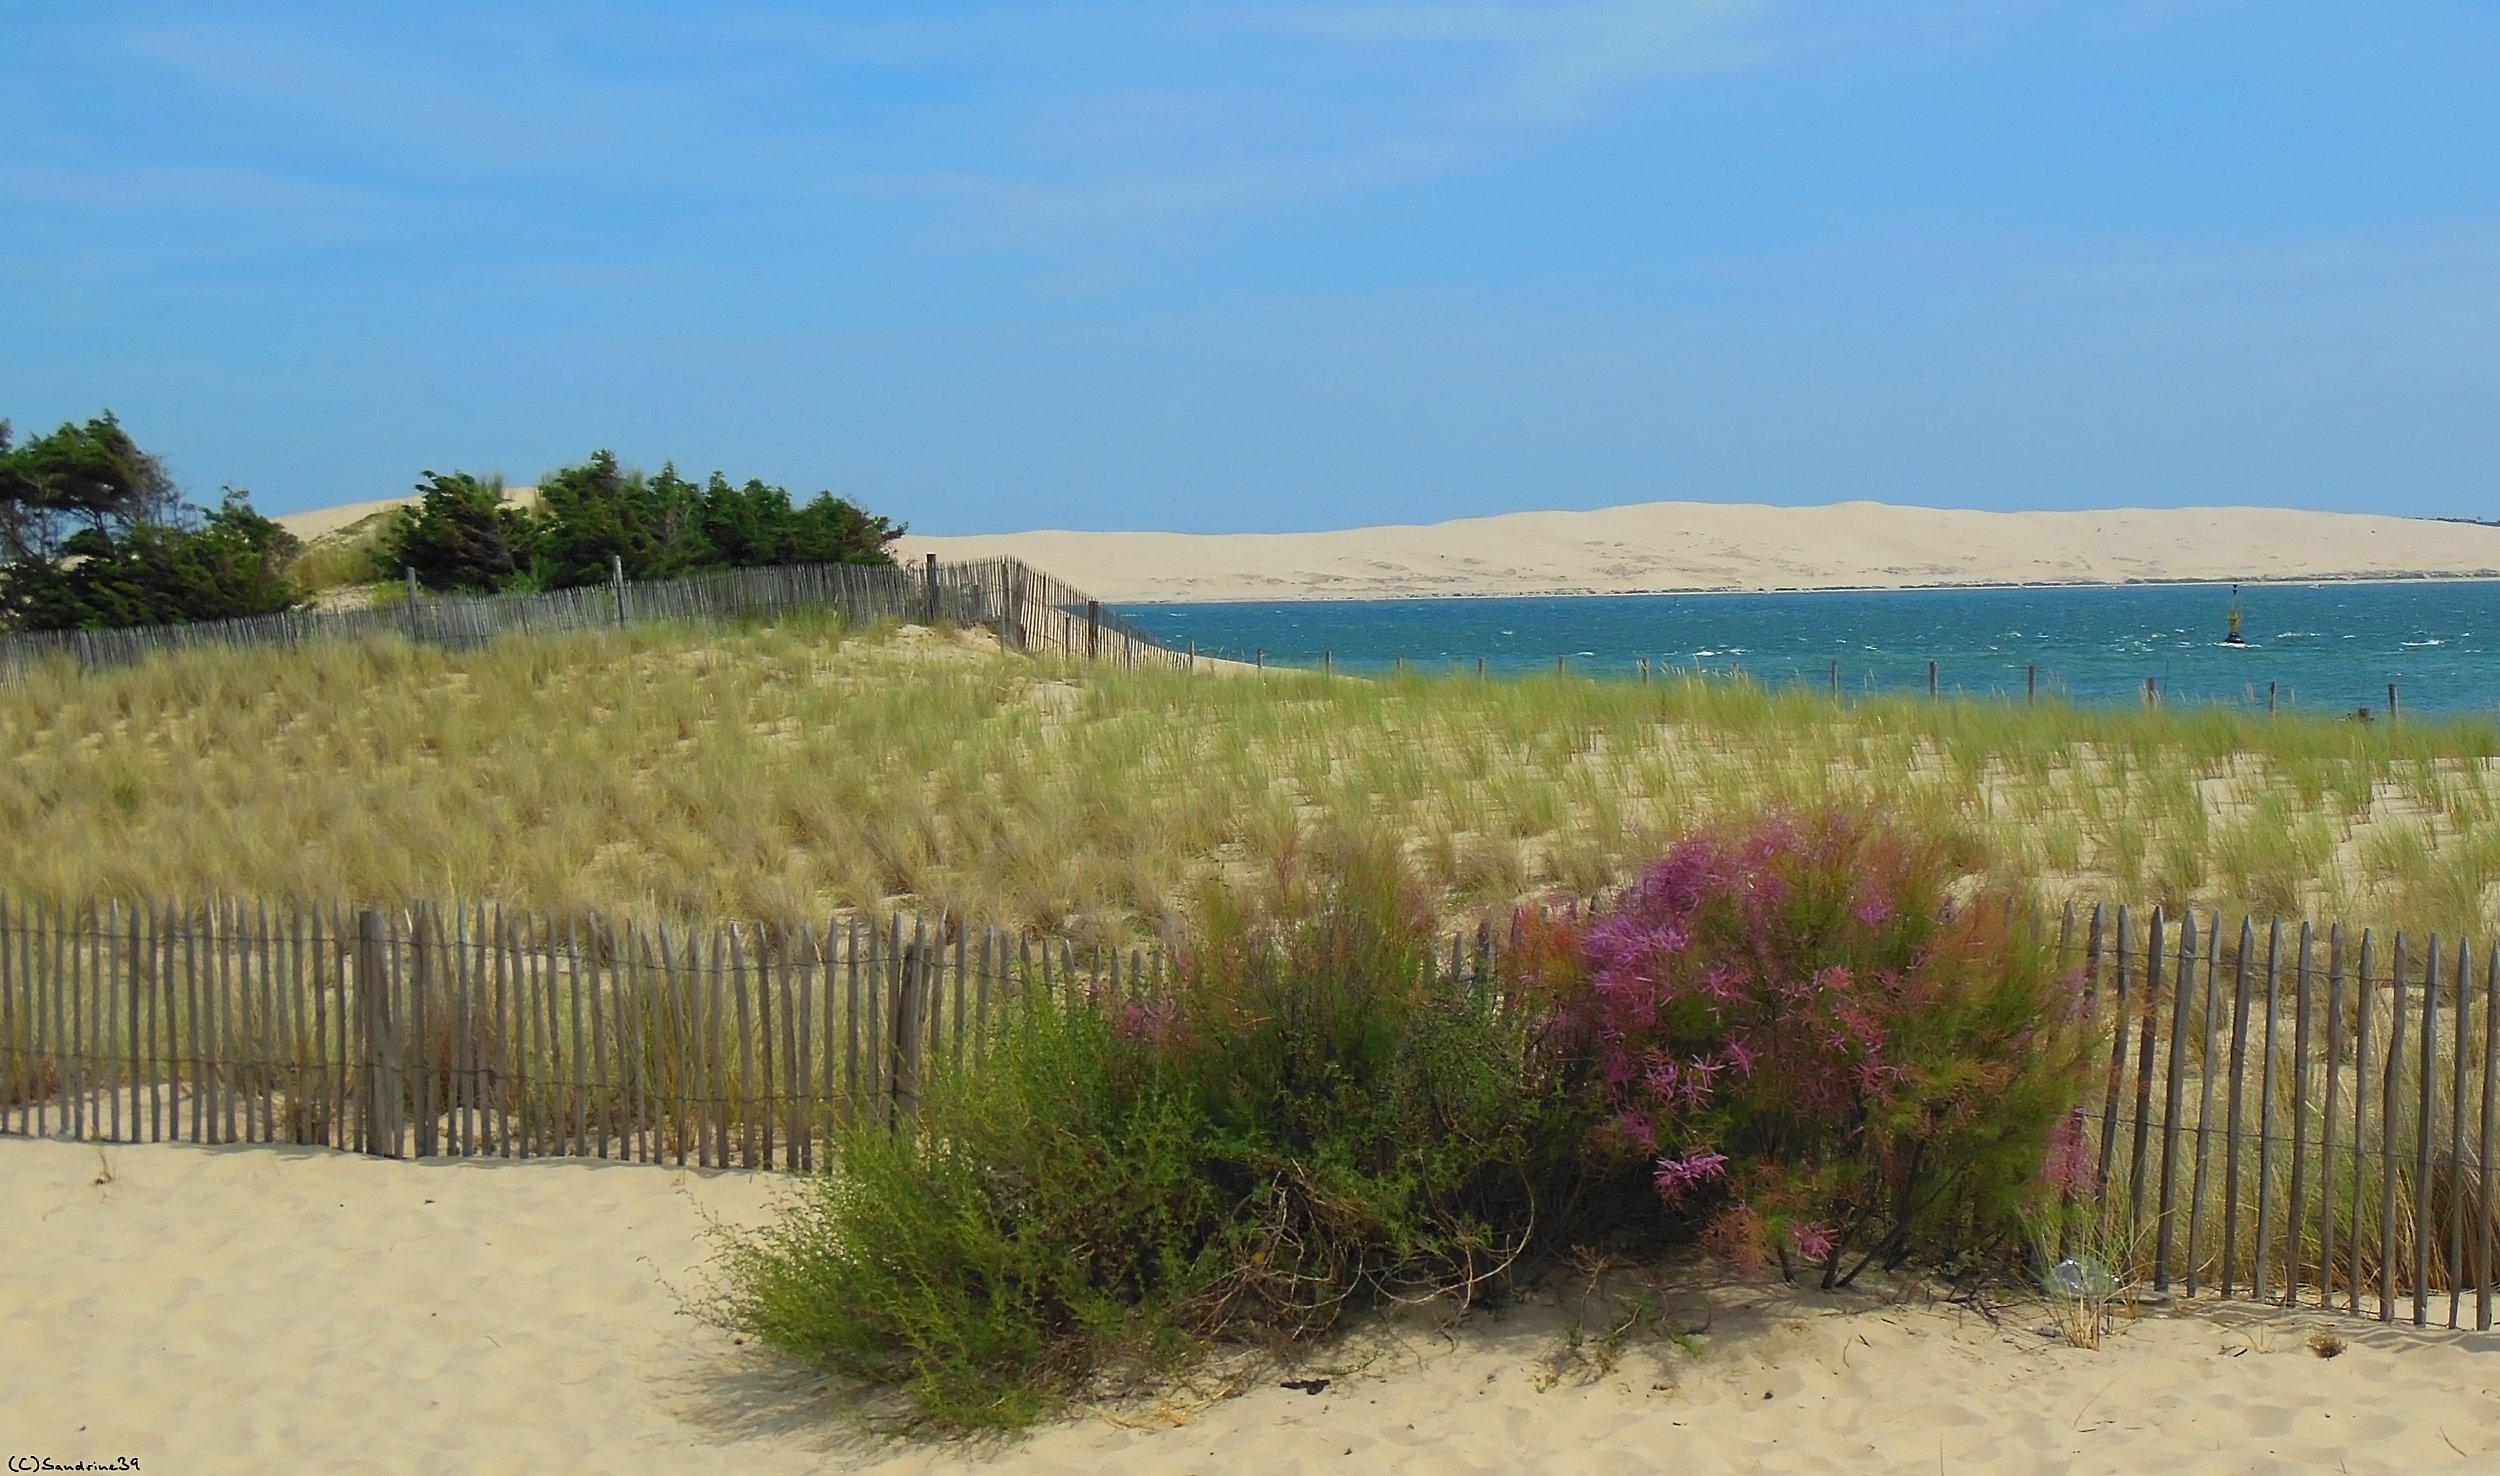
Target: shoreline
x=1715 y=591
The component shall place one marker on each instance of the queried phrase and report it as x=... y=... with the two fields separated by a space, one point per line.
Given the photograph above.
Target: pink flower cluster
x=1676 y=1175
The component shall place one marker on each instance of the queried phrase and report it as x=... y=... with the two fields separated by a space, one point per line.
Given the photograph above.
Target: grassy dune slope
x=780 y=772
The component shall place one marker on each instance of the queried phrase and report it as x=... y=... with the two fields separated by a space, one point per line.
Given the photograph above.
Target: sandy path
x=255 y=1309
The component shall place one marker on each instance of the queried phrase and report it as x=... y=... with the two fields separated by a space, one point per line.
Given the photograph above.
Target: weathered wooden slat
x=680 y=1068
x=239 y=1028
x=2391 y=1083
x=81 y=1030
x=47 y=1016
x=511 y=1108
x=919 y=978
x=960 y=992
x=2183 y=978
x=2484 y=1160
x=17 y=1067
x=990 y=955
x=329 y=1005
x=2231 y=1130
x=460 y=1016
x=2148 y=1005
x=2425 y=1229
x=2258 y=1282
x=226 y=1036
x=2326 y=1119
x=191 y=999
x=2364 y=1055
x=2208 y=1052
x=717 y=1069
x=742 y=1099
x=2455 y=1268
x=544 y=1062
x=762 y=1084
x=302 y=1039
x=124 y=974
x=577 y=1056
x=633 y=977
x=50 y=1014
x=141 y=984
x=2118 y=1050
x=424 y=1025
x=851 y=1024
x=599 y=1113
x=2294 y=1218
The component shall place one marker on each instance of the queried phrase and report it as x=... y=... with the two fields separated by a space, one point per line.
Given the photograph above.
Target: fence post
x=1093 y=629
x=933 y=589
x=616 y=585
x=2391 y=702
x=378 y=1084
x=412 y=605
x=2031 y=683
x=1931 y=680
x=911 y=1012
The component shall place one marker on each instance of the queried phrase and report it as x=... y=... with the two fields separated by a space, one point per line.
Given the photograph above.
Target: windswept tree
x=460 y=535
x=93 y=534
x=88 y=478
x=595 y=512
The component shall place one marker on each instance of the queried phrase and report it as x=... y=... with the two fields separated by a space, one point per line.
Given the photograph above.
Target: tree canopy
x=94 y=534
x=462 y=535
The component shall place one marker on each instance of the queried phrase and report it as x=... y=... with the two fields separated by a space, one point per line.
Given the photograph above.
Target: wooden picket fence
x=2277 y=1112
x=2293 y=1115
x=473 y=1032
x=1029 y=610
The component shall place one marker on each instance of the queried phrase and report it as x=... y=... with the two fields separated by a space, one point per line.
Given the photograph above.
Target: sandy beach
x=259 y=1309
x=1663 y=546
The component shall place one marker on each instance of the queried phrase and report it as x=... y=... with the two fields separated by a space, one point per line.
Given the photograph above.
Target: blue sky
x=1236 y=266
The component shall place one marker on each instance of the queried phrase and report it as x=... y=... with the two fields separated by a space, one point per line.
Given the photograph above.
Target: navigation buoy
x=2232 y=637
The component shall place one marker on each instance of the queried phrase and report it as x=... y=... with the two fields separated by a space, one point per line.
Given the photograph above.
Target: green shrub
x=1045 y=1226
x=1309 y=1118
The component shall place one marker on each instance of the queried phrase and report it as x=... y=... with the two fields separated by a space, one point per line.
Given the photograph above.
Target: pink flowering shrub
x=1822 y=1057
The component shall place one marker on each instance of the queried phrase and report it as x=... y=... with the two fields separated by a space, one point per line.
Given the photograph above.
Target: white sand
x=258 y=1309
x=1726 y=546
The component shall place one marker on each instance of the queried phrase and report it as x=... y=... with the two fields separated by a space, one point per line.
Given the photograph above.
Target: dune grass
x=776 y=772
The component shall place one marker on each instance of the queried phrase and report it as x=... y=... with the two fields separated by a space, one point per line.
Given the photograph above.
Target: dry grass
x=778 y=772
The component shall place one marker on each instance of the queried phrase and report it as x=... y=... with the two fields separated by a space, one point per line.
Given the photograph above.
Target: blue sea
x=2327 y=648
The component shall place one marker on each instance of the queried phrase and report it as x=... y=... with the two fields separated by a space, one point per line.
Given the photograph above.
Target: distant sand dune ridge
x=1691 y=546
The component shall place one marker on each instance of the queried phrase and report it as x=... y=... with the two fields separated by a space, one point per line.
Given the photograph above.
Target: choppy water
x=2330 y=648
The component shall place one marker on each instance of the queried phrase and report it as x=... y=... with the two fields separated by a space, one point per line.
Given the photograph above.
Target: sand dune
x=1725 y=546
x=324 y=521
x=262 y=1309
